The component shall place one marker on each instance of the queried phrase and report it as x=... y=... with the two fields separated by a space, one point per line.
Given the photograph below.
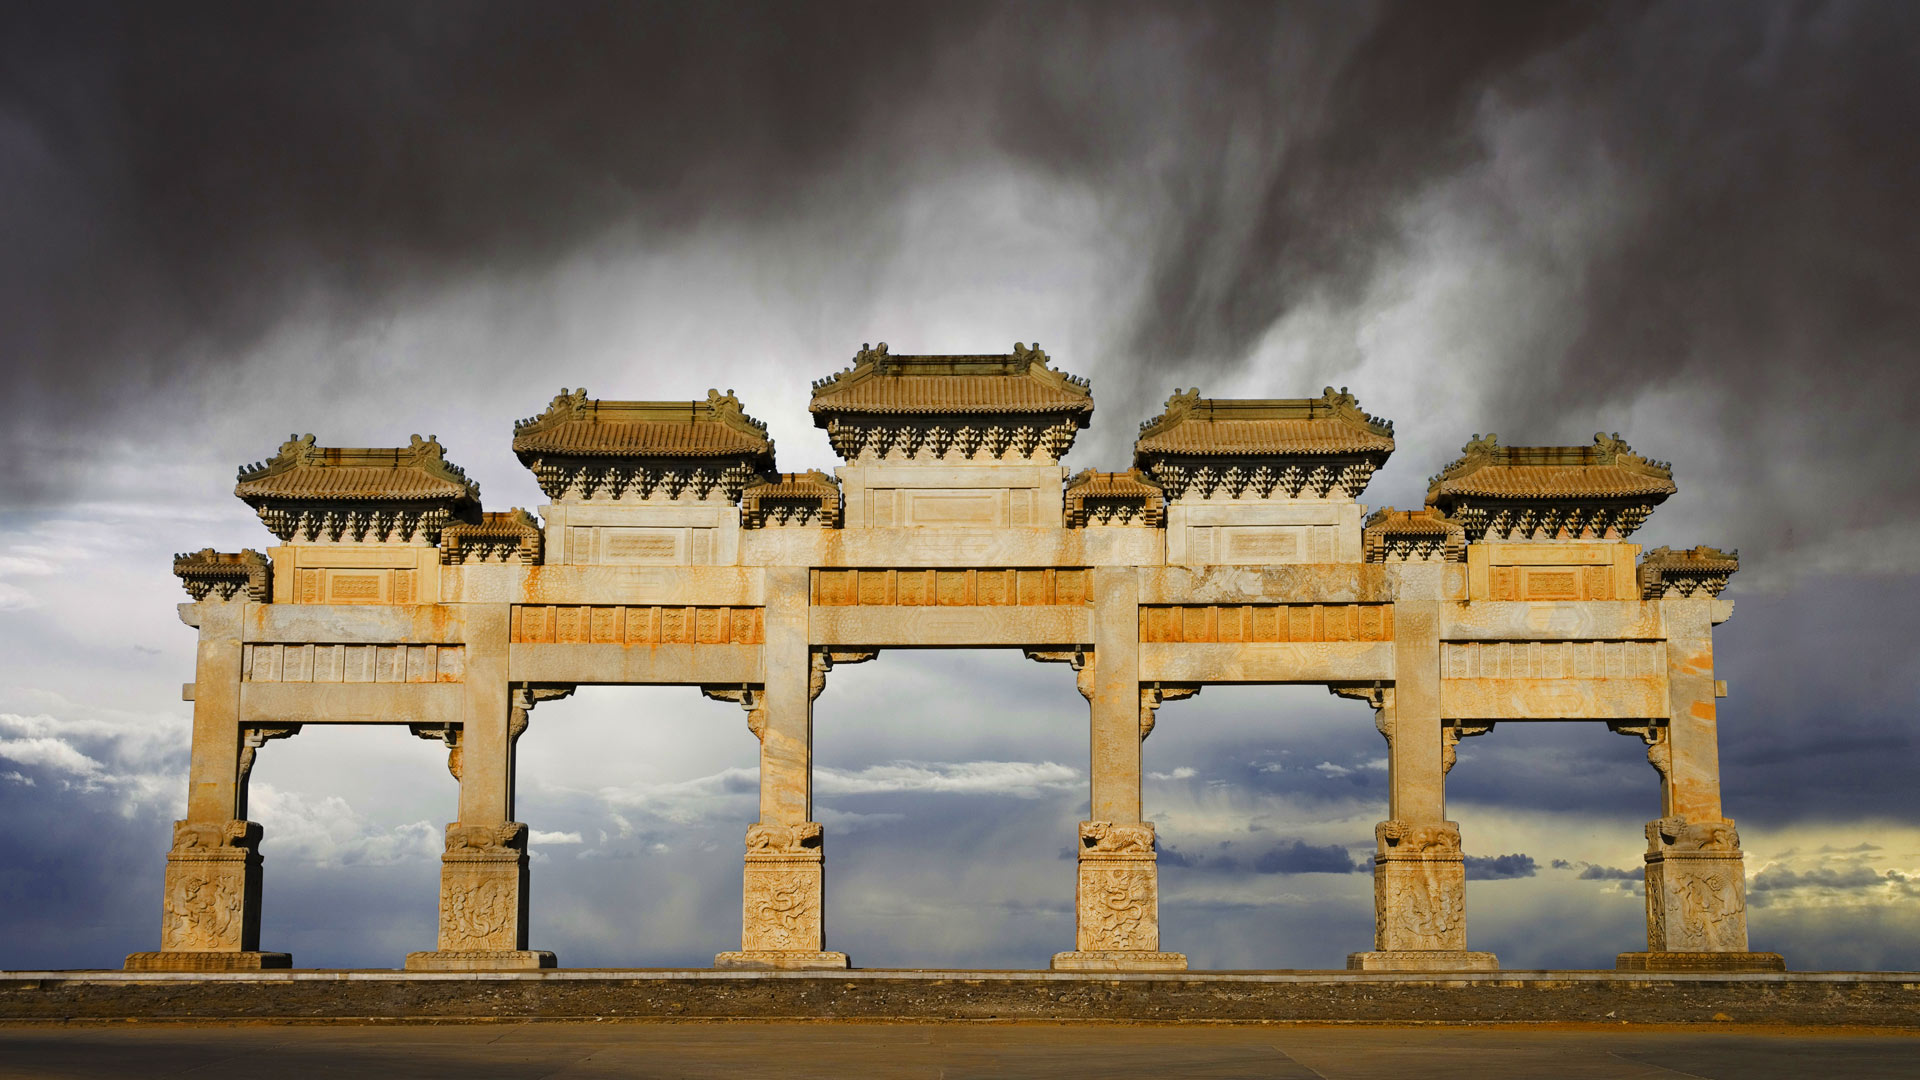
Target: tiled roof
x=574 y=426
x=1390 y=522
x=1608 y=469
x=1111 y=485
x=812 y=484
x=1016 y=382
x=305 y=472
x=494 y=525
x=1328 y=425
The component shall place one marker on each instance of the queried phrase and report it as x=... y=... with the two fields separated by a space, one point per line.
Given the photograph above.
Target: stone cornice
x=225 y=575
x=1665 y=572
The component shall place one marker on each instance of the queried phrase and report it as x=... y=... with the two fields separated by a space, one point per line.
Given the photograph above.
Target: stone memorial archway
x=1234 y=550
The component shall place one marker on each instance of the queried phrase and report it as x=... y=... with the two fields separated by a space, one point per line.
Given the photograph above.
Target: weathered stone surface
x=1233 y=551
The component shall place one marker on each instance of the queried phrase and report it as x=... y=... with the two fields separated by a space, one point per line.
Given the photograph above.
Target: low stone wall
x=1802 y=998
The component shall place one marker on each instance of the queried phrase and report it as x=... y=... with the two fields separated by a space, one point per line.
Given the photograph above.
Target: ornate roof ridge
x=947 y=381
x=570 y=407
x=227 y=573
x=1686 y=571
x=1391 y=535
x=1483 y=451
x=425 y=457
x=792 y=498
x=1330 y=405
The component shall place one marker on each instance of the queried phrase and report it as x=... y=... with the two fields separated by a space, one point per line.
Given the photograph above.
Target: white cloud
x=328 y=831
x=541 y=836
x=1331 y=769
x=1020 y=779
x=1184 y=772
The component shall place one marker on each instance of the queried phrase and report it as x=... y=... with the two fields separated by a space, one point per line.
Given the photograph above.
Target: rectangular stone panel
x=1552 y=571
x=1266 y=662
x=1265 y=622
x=275 y=663
x=950 y=588
x=621 y=624
x=1552 y=659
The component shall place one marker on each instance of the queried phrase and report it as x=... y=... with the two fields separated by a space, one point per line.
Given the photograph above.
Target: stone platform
x=1876 y=999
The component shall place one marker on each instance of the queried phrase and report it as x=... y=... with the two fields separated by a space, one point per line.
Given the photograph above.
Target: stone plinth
x=1419 y=902
x=1117 y=902
x=1422 y=960
x=208 y=960
x=781 y=960
x=1119 y=960
x=1700 y=961
x=480 y=960
x=781 y=924
x=483 y=903
x=1696 y=887
x=212 y=905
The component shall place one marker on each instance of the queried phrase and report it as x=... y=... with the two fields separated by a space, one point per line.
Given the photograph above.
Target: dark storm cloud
x=181 y=179
x=1500 y=867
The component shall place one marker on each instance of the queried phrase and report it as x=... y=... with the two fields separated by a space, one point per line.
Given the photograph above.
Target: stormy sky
x=1691 y=223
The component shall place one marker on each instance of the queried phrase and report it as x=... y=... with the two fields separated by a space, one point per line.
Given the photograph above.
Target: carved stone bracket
x=749 y=698
x=1659 y=749
x=824 y=660
x=1157 y=694
x=1450 y=735
x=1377 y=694
x=525 y=697
x=251 y=740
x=444 y=733
x=1079 y=657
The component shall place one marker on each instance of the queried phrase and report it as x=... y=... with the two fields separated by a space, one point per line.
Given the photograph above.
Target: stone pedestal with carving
x=781 y=916
x=211 y=910
x=1696 y=901
x=483 y=903
x=1117 y=903
x=1419 y=902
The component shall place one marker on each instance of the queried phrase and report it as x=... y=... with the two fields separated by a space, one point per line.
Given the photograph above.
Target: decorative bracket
x=1079 y=657
x=1659 y=748
x=1377 y=694
x=251 y=740
x=445 y=733
x=1451 y=732
x=525 y=696
x=749 y=698
x=824 y=660
x=1157 y=694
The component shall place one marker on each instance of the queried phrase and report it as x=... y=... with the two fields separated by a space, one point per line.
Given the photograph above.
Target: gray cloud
x=1500 y=867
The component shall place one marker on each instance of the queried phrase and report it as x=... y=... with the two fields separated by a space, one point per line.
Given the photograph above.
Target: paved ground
x=797 y=1051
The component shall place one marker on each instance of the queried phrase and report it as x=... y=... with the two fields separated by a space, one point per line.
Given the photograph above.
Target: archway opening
x=1264 y=800
x=950 y=784
x=353 y=822
x=1552 y=817
x=636 y=800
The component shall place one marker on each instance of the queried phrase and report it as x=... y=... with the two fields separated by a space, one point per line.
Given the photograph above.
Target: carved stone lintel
x=1450 y=736
x=1079 y=657
x=749 y=698
x=1659 y=749
x=448 y=734
x=1157 y=694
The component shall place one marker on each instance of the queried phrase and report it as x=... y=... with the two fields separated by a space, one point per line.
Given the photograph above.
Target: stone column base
x=208 y=960
x=1119 y=960
x=1700 y=961
x=1422 y=960
x=782 y=960
x=480 y=960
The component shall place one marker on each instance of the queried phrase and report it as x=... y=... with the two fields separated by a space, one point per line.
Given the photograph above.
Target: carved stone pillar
x=483 y=872
x=783 y=881
x=1419 y=871
x=1696 y=874
x=1117 y=892
x=210 y=904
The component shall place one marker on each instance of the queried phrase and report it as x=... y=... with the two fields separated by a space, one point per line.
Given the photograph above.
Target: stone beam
x=1267 y=662
x=356 y=624
x=1586 y=620
x=951 y=626
x=352 y=703
x=656 y=665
